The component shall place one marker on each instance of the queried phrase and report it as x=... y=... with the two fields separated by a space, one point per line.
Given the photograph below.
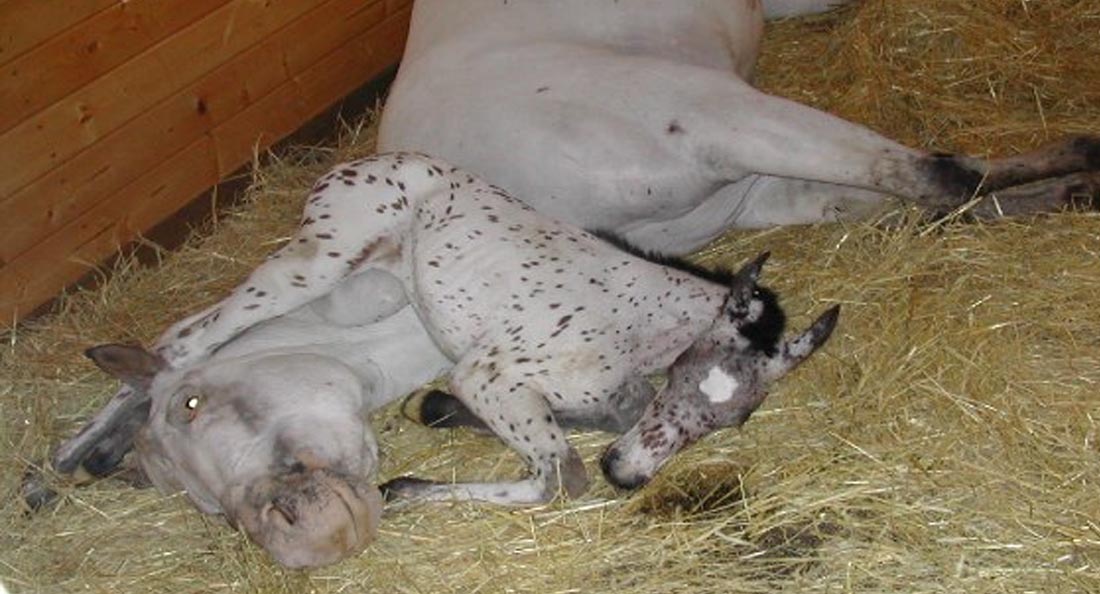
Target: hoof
x=404 y=487
x=34 y=491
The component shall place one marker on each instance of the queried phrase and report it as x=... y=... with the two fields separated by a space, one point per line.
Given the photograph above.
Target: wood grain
x=40 y=273
x=53 y=135
x=24 y=24
x=77 y=185
x=88 y=50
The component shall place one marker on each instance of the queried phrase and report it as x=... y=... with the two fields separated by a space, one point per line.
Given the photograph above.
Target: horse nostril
x=284 y=508
x=607 y=460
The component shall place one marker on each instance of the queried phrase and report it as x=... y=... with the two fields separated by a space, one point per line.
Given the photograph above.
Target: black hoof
x=403 y=487
x=34 y=491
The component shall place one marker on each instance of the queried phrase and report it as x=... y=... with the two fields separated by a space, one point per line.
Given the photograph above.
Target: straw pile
x=945 y=441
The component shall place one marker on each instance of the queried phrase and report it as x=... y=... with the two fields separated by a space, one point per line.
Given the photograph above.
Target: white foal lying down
x=638 y=117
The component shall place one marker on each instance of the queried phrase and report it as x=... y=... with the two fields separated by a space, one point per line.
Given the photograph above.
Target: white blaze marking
x=719 y=385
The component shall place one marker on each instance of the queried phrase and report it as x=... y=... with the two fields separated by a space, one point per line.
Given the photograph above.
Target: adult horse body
x=637 y=116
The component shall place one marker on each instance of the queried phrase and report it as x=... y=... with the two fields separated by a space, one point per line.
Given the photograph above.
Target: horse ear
x=131 y=364
x=743 y=285
x=751 y=272
x=800 y=348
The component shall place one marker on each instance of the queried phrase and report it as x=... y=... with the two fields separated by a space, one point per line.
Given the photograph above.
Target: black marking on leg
x=104 y=458
x=1089 y=148
x=441 y=410
x=958 y=182
x=102 y=462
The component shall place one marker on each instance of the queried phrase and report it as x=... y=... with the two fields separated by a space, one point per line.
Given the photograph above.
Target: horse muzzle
x=312 y=518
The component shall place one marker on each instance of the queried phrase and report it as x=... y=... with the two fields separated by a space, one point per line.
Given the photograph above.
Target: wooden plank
x=82 y=53
x=26 y=23
x=75 y=186
x=41 y=273
x=303 y=97
x=70 y=254
x=49 y=137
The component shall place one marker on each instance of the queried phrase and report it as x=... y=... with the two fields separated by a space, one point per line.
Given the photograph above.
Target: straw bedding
x=946 y=440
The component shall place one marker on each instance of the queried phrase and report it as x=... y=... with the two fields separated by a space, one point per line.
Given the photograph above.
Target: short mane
x=763 y=335
x=723 y=276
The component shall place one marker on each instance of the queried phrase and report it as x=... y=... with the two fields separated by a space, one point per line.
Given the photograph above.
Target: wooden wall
x=114 y=114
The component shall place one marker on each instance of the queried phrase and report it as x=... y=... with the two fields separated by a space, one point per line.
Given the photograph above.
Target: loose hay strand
x=945 y=440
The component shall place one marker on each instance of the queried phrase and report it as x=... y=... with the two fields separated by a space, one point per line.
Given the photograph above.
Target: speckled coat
x=543 y=320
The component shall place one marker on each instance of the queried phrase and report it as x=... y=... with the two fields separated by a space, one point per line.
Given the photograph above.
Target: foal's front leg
x=521 y=417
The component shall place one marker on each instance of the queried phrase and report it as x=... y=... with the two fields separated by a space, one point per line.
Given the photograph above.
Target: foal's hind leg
x=294 y=276
x=352 y=222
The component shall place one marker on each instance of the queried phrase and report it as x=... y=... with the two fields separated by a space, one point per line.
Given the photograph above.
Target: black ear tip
x=758 y=263
x=752 y=270
x=827 y=321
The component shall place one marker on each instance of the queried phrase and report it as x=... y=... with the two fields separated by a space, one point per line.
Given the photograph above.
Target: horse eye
x=189 y=406
x=184 y=407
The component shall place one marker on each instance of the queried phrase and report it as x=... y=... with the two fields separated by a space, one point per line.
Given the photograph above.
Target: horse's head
x=277 y=443
x=718 y=381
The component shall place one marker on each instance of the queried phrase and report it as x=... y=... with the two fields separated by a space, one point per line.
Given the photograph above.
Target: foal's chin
x=625 y=469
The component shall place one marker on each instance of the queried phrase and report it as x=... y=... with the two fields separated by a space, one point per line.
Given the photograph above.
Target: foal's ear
x=743 y=285
x=750 y=272
x=132 y=364
x=800 y=348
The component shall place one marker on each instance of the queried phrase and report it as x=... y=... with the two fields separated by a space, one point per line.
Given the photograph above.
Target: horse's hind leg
x=736 y=130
